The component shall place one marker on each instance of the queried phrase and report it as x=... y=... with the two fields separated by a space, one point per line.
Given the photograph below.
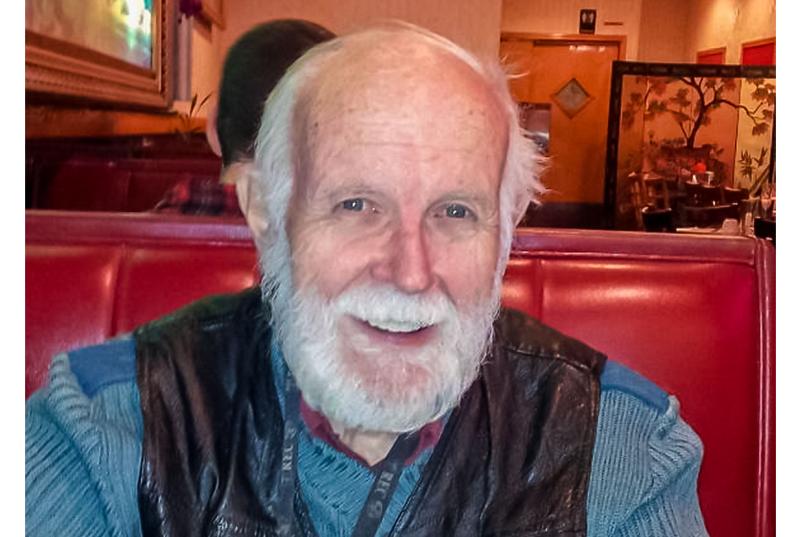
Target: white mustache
x=389 y=309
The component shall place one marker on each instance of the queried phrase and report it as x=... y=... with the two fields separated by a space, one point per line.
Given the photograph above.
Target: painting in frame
x=117 y=52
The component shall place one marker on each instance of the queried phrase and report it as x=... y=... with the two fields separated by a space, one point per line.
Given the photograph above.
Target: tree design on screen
x=690 y=103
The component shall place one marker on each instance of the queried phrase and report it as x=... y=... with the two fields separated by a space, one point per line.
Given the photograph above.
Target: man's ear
x=212 y=136
x=253 y=207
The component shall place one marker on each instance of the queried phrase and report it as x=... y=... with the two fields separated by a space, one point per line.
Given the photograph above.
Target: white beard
x=377 y=387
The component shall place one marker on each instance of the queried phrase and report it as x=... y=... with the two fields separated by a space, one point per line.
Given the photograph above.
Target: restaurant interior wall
x=475 y=25
x=729 y=24
x=656 y=30
x=663 y=30
x=614 y=17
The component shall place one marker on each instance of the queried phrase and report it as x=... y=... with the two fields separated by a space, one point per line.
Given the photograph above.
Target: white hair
x=276 y=158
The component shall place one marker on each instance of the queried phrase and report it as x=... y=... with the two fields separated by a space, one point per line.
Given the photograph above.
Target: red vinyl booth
x=693 y=313
x=86 y=183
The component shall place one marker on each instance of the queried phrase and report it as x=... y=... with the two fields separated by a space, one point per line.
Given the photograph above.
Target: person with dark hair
x=253 y=66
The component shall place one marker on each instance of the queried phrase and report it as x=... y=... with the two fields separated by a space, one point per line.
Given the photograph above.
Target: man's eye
x=455 y=210
x=355 y=204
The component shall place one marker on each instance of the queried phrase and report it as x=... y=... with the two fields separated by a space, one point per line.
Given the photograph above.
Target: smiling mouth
x=400 y=327
x=404 y=333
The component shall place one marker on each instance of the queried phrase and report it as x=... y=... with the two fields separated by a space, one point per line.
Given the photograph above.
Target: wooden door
x=573 y=76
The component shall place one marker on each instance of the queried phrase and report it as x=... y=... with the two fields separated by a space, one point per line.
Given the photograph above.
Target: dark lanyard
x=387 y=472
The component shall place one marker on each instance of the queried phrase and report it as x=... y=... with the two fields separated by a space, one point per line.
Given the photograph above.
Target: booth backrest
x=116 y=184
x=694 y=314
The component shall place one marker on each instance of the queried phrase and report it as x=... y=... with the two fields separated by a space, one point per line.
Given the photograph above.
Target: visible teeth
x=390 y=325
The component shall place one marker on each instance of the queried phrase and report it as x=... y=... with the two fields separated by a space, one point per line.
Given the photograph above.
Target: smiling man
x=393 y=231
x=373 y=385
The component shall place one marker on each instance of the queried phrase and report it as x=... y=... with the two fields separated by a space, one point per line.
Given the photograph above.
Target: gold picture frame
x=64 y=70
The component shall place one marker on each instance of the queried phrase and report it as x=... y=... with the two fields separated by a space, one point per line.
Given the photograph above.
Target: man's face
x=394 y=232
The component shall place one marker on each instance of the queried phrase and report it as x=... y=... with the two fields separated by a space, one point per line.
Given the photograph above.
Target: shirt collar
x=319 y=427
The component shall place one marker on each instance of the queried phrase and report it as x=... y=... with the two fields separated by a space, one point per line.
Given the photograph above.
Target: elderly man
x=373 y=386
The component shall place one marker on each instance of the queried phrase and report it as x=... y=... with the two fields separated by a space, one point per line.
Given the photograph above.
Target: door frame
x=568 y=39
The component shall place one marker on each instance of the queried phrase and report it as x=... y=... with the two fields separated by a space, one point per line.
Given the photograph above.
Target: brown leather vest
x=514 y=457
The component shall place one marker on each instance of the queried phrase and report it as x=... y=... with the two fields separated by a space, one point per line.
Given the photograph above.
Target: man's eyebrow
x=482 y=200
x=337 y=191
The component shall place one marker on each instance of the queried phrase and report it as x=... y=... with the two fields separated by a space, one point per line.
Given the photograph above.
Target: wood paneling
x=55 y=122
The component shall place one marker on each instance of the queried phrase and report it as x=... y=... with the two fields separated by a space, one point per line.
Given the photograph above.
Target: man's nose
x=407 y=263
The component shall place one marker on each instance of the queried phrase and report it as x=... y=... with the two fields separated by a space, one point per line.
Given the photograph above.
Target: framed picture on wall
x=113 y=51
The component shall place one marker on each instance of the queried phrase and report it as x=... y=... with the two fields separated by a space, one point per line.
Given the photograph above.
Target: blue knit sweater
x=83 y=448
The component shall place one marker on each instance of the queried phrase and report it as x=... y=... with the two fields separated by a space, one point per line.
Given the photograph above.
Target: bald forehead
x=404 y=83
